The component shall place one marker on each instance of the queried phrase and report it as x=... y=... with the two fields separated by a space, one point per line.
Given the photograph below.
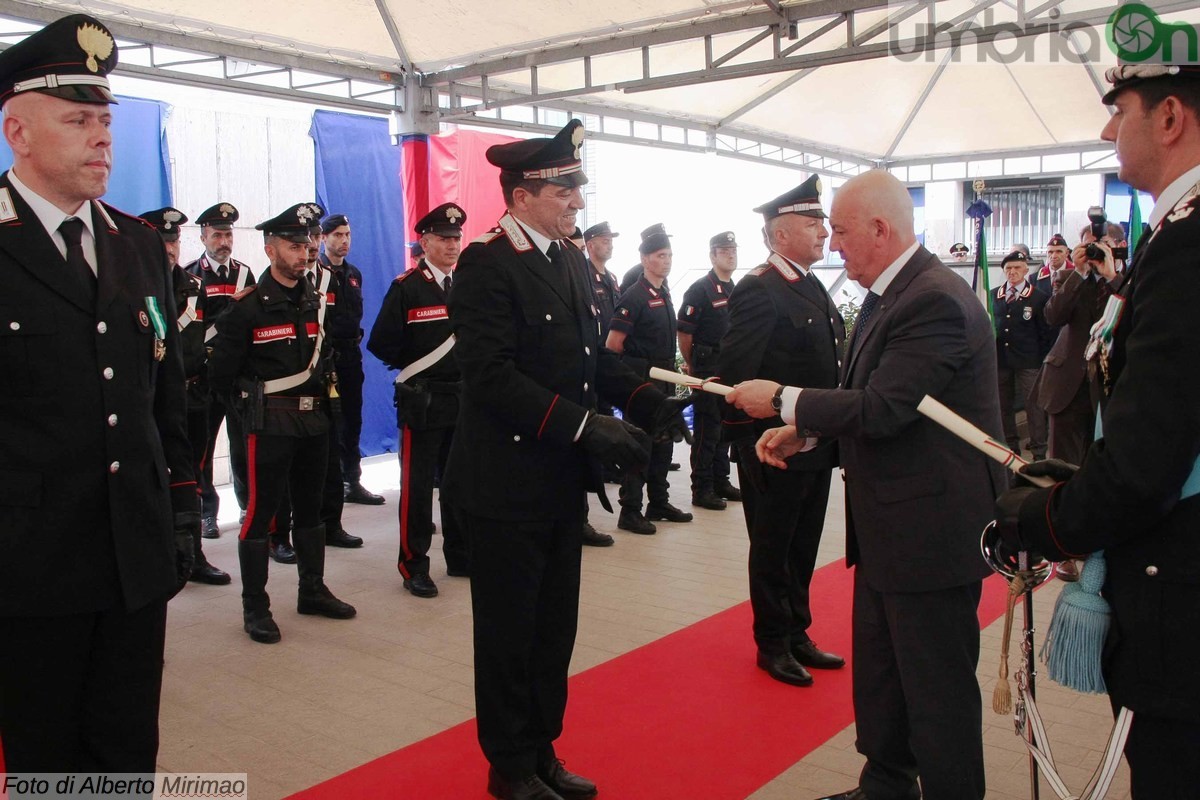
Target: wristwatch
x=777 y=400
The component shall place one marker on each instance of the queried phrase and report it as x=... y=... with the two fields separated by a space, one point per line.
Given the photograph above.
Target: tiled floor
x=335 y=694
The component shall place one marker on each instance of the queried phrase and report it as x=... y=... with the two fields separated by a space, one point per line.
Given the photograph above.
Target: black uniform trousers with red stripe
x=333 y=501
x=423 y=454
x=279 y=465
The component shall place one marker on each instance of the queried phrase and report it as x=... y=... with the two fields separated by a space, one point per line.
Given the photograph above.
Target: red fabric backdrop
x=451 y=168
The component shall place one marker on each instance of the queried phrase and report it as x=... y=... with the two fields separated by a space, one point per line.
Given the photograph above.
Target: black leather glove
x=1008 y=505
x=1053 y=468
x=669 y=422
x=1008 y=516
x=615 y=443
x=187 y=529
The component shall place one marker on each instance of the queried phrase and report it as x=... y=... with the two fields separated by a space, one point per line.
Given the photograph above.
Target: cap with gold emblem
x=167 y=220
x=69 y=58
x=1015 y=255
x=1126 y=75
x=553 y=160
x=1057 y=240
x=599 y=229
x=724 y=239
x=804 y=200
x=959 y=249
x=221 y=216
x=333 y=222
x=294 y=224
x=445 y=220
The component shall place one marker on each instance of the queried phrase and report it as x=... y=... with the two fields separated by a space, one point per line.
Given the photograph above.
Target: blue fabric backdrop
x=139 y=128
x=358 y=174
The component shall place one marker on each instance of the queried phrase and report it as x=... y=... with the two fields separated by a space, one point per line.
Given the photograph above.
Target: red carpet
x=686 y=716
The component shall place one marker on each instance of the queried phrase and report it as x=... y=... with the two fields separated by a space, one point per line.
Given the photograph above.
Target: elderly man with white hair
x=916 y=498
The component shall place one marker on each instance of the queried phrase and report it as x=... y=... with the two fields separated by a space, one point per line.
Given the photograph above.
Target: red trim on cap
x=546 y=418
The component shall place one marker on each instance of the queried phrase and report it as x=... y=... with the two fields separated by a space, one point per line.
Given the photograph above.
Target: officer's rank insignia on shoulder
x=487 y=237
x=780 y=263
x=245 y=292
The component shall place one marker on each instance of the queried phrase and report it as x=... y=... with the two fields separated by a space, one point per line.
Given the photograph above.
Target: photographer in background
x=1075 y=305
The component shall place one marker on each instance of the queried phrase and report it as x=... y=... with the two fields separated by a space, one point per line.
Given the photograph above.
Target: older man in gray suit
x=916 y=497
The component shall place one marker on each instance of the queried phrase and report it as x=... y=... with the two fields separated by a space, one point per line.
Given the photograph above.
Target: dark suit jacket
x=1022 y=336
x=917 y=497
x=783 y=327
x=1073 y=306
x=92 y=463
x=1125 y=499
x=532 y=368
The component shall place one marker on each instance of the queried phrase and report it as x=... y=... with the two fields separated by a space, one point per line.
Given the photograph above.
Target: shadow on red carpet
x=686 y=716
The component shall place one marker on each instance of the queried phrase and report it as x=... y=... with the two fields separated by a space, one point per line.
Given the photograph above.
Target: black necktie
x=868 y=308
x=1011 y=294
x=864 y=313
x=72 y=233
x=558 y=263
x=221 y=272
x=312 y=278
x=446 y=284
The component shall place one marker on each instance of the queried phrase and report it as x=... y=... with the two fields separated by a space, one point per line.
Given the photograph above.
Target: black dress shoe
x=281 y=552
x=594 y=538
x=340 y=538
x=356 y=493
x=853 y=794
x=634 y=522
x=783 y=667
x=708 y=499
x=209 y=528
x=813 y=657
x=567 y=784
x=203 y=572
x=421 y=585
x=728 y=491
x=530 y=788
x=667 y=512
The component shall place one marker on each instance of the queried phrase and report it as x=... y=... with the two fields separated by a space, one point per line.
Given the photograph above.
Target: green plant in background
x=849 y=312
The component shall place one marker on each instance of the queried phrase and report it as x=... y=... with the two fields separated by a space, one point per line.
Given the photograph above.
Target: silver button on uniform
x=517 y=438
x=16 y=326
x=114 y=467
x=1151 y=570
x=112 y=420
x=101 y=327
x=108 y=373
x=548 y=318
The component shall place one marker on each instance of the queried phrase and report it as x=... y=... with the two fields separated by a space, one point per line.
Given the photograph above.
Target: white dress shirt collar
x=888 y=275
x=51 y=216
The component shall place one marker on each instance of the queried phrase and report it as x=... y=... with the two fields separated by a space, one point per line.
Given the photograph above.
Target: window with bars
x=1024 y=211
